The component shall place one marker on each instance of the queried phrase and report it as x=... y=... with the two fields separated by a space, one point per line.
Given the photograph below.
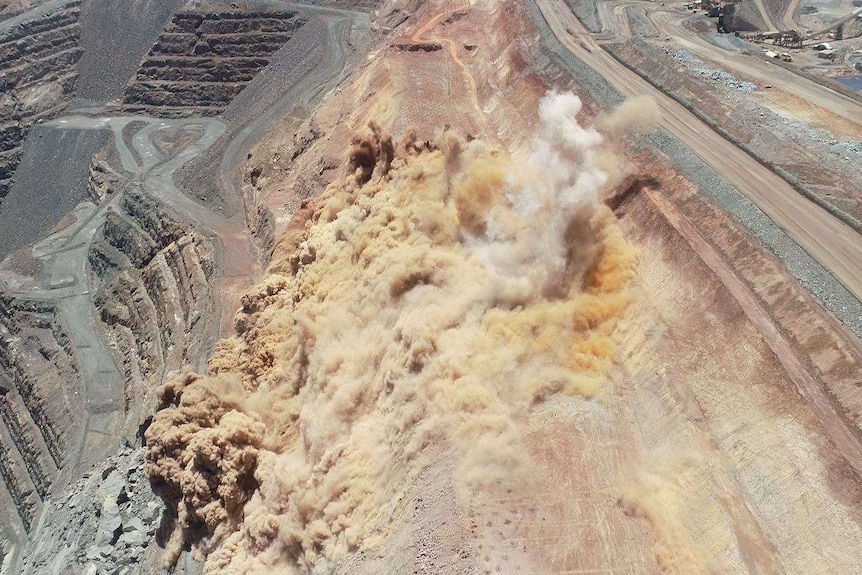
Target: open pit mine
x=430 y=287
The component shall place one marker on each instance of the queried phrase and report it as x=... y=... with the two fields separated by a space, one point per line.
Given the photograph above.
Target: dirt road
x=670 y=23
x=301 y=94
x=68 y=283
x=788 y=19
x=830 y=242
x=771 y=26
x=757 y=69
x=422 y=34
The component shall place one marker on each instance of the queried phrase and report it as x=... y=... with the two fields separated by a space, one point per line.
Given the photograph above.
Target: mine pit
x=40 y=424
x=441 y=287
x=40 y=52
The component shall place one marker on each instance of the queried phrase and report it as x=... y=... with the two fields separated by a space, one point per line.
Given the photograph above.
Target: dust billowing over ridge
x=424 y=306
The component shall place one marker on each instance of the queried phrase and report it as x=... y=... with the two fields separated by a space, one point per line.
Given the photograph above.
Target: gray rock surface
x=103 y=524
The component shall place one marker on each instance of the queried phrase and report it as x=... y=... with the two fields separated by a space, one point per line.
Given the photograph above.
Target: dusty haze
x=426 y=305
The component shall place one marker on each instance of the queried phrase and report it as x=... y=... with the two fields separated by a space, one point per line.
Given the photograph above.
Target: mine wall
x=744 y=235
x=21 y=492
x=153 y=273
x=38 y=423
x=115 y=36
x=102 y=178
x=38 y=59
x=203 y=60
x=363 y=5
x=150 y=273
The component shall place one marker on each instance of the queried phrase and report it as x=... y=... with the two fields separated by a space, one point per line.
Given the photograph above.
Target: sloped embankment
x=153 y=272
x=38 y=420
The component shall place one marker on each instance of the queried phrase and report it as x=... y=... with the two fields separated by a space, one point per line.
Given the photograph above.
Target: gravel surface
x=817 y=280
x=847 y=150
x=294 y=59
x=719 y=77
x=586 y=78
x=799 y=145
x=803 y=267
x=730 y=42
x=128 y=132
x=115 y=36
x=639 y=22
x=50 y=181
x=682 y=56
x=715 y=77
x=587 y=13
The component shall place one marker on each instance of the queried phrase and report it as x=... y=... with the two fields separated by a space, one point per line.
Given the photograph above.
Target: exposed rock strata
x=38 y=60
x=102 y=180
x=153 y=272
x=203 y=60
x=38 y=421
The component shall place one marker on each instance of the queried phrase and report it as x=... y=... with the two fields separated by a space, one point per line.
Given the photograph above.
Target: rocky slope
x=38 y=420
x=104 y=523
x=38 y=58
x=156 y=278
x=690 y=451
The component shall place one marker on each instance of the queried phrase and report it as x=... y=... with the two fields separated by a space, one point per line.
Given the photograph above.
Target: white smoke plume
x=552 y=194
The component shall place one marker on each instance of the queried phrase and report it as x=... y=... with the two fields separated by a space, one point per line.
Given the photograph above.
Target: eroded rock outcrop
x=39 y=421
x=103 y=179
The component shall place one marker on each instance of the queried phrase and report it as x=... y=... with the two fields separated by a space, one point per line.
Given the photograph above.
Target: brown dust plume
x=426 y=305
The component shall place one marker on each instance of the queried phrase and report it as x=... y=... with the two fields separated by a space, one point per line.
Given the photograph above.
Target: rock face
x=103 y=523
x=153 y=273
x=38 y=420
x=148 y=273
x=102 y=179
x=203 y=60
x=38 y=58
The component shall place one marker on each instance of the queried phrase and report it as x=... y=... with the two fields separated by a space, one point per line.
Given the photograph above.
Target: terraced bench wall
x=41 y=51
x=203 y=60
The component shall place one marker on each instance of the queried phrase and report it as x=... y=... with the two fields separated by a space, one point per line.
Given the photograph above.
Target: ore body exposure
x=443 y=287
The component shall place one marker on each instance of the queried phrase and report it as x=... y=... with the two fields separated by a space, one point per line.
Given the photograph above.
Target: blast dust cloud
x=427 y=304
